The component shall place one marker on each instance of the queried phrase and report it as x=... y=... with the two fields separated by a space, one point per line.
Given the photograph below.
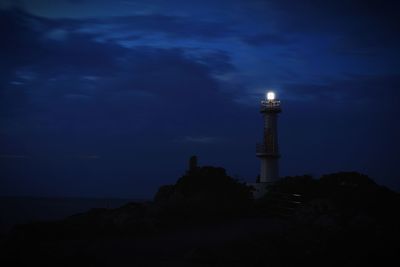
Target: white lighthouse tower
x=268 y=150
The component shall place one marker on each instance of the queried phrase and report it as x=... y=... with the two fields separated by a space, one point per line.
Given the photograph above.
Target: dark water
x=16 y=210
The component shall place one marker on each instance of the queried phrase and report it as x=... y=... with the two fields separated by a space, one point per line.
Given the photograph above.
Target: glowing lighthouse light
x=270 y=96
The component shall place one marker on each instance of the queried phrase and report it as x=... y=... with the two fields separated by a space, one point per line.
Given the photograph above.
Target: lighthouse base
x=260 y=189
x=269 y=171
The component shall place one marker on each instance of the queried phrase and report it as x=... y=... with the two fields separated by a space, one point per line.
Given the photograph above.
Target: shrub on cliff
x=205 y=190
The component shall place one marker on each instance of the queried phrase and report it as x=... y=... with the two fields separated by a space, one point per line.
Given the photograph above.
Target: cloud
x=89 y=157
x=347 y=92
x=57 y=34
x=267 y=39
x=81 y=94
x=31 y=40
x=199 y=139
x=77 y=82
x=346 y=28
x=317 y=15
x=14 y=157
x=171 y=26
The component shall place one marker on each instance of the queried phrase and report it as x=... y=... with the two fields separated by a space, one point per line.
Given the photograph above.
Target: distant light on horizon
x=271 y=95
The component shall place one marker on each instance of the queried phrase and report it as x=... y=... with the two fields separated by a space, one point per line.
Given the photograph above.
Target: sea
x=20 y=210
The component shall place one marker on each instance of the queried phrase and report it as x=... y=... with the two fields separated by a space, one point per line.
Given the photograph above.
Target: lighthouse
x=268 y=150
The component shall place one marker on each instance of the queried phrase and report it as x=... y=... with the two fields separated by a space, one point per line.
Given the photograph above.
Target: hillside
x=209 y=219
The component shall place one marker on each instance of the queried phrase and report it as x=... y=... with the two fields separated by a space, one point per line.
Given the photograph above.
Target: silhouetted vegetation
x=204 y=190
x=209 y=219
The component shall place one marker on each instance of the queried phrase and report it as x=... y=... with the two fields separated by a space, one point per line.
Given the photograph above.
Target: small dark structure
x=192 y=163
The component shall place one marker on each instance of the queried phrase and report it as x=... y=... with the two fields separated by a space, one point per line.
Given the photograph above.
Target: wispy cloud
x=267 y=39
x=199 y=139
x=89 y=157
x=9 y=156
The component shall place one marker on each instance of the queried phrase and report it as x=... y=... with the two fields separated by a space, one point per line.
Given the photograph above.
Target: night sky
x=110 y=98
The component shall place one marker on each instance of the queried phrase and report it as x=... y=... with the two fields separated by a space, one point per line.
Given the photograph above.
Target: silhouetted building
x=192 y=163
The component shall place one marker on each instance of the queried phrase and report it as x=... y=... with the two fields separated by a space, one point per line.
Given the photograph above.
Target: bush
x=205 y=190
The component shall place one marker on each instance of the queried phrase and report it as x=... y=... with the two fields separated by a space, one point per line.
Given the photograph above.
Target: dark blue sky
x=110 y=98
